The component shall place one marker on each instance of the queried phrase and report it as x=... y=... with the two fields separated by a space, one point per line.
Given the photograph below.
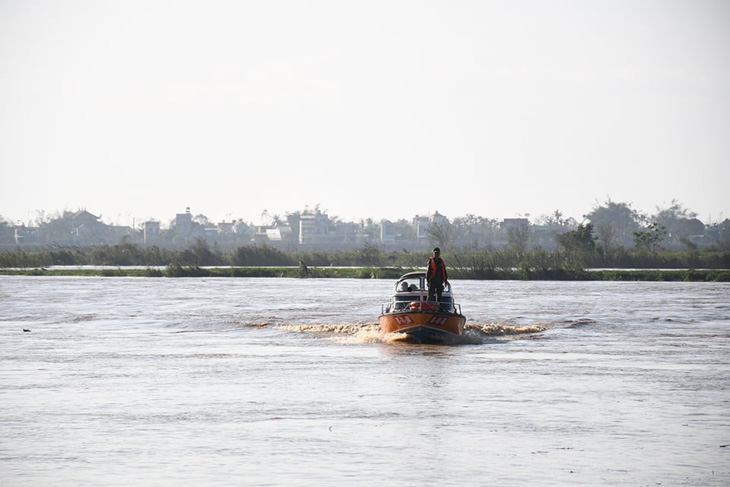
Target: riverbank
x=172 y=271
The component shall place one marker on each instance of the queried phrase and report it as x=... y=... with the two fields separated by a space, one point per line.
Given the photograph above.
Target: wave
x=358 y=333
x=496 y=330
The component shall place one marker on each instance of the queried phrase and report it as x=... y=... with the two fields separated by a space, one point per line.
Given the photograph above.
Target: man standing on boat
x=436 y=275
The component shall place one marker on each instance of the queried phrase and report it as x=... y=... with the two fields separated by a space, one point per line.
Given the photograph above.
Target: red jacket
x=436 y=269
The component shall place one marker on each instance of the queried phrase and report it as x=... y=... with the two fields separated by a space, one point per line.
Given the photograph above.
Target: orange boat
x=409 y=312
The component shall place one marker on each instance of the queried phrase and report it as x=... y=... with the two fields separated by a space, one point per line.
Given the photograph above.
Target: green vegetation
x=175 y=270
x=578 y=252
x=651 y=237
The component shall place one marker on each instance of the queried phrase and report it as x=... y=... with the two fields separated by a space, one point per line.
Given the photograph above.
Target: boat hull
x=424 y=327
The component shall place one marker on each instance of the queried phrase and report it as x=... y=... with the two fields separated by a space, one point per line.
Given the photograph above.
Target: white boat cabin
x=412 y=287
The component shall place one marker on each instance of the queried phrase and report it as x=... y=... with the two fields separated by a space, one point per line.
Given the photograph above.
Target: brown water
x=124 y=381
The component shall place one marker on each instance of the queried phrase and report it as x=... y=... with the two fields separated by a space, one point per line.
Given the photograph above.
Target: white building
x=424 y=223
x=313 y=228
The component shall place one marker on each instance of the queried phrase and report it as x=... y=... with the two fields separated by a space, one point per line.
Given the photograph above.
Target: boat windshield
x=410 y=284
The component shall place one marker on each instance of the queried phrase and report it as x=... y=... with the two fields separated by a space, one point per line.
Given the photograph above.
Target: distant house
x=387 y=232
x=84 y=219
x=210 y=232
x=225 y=228
x=682 y=230
x=184 y=222
x=151 y=231
x=423 y=224
x=241 y=228
x=86 y=227
x=279 y=234
x=508 y=223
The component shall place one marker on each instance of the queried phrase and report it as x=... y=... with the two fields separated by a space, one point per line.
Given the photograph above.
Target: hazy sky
x=383 y=109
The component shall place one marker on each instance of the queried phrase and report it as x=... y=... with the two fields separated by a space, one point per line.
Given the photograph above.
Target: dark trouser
x=435 y=287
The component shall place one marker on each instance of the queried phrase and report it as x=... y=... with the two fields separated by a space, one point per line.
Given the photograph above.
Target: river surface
x=268 y=382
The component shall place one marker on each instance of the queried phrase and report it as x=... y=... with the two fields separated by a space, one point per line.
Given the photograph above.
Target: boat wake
x=474 y=334
x=343 y=333
x=494 y=330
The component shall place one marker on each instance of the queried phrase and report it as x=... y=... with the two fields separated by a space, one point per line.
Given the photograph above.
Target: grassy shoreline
x=172 y=271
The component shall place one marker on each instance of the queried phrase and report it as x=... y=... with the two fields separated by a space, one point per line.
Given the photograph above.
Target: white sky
x=385 y=109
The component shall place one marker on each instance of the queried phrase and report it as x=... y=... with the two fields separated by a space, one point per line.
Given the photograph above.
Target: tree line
x=579 y=250
x=614 y=225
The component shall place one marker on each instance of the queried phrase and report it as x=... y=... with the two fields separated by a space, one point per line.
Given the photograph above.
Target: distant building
x=313 y=228
x=279 y=234
x=241 y=228
x=184 y=222
x=83 y=221
x=260 y=236
x=225 y=228
x=423 y=224
x=151 y=231
x=508 y=223
x=387 y=232
x=86 y=227
x=83 y=217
